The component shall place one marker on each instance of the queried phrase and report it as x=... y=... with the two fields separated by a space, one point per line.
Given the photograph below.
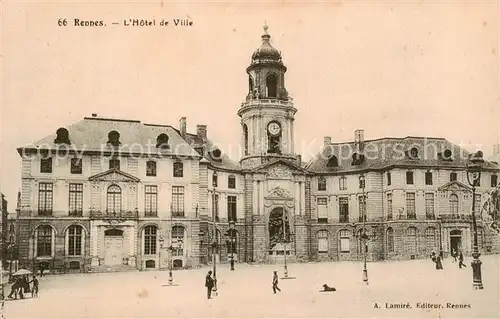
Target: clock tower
x=267 y=114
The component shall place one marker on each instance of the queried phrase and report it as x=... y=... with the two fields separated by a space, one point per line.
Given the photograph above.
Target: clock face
x=274 y=128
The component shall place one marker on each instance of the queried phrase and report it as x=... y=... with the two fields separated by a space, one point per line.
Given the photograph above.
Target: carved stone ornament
x=279 y=172
x=279 y=192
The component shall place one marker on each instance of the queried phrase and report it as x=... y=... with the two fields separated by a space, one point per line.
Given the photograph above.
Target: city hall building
x=108 y=194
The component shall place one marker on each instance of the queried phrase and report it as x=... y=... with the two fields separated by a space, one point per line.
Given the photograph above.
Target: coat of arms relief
x=279 y=172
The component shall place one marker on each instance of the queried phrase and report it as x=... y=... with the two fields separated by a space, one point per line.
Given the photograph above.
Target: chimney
x=182 y=126
x=359 y=140
x=299 y=160
x=327 y=141
x=201 y=131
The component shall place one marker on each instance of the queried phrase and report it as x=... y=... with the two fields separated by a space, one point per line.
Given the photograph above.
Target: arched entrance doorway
x=113 y=247
x=455 y=240
x=279 y=236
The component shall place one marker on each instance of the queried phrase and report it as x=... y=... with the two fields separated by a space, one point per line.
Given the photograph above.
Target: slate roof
x=389 y=152
x=91 y=134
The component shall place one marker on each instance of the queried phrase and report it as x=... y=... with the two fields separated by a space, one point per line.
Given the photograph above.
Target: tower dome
x=266 y=51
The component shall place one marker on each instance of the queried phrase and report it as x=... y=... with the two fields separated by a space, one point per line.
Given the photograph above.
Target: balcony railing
x=389 y=216
x=430 y=216
x=407 y=216
x=178 y=214
x=254 y=102
x=44 y=212
x=114 y=215
x=75 y=213
x=150 y=214
x=343 y=219
x=456 y=217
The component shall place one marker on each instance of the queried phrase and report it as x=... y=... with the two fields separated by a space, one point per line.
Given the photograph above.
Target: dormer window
x=114 y=163
x=162 y=141
x=76 y=165
x=216 y=154
x=447 y=155
x=46 y=165
x=333 y=161
x=114 y=138
x=231 y=182
x=62 y=136
x=321 y=183
x=199 y=150
x=412 y=153
x=357 y=159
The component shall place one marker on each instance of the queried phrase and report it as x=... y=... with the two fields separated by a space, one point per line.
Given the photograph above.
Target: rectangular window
x=231 y=208
x=76 y=166
x=345 y=241
x=361 y=205
x=429 y=206
x=178 y=201
x=151 y=197
x=114 y=163
x=389 y=206
x=342 y=183
x=343 y=210
x=321 y=183
x=494 y=180
x=178 y=169
x=150 y=168
x=214 y=180
x=75 y=199
x=453 y=176
x=75 y=241
x=410 y=206
x=428 y=178
x=45 y=196
x=231 y=182
x=409 y=178
x=389 y=181
x=322 y=241
x=46 y=165
x=215 y=206
x=322 y=210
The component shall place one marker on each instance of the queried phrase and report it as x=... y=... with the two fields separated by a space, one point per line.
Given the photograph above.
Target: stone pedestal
x=95 y=261
x=132 y=261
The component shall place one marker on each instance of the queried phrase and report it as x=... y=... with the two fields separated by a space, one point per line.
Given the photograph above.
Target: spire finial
x=265 y=27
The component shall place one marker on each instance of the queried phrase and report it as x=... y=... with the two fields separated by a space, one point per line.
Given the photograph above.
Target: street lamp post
x=364 y=236
x=214 y=243
x=231 y=238
x=161 y=241
x=474 y=177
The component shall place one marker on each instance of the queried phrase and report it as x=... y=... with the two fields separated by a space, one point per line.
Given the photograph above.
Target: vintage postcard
x=265 y=159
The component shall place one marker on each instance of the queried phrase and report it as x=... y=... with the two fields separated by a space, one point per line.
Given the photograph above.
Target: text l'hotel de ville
x=130 y=22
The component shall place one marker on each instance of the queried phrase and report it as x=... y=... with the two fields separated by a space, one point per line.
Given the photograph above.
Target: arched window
x=344 y=241
x=150 y=168
x=453 y=204
x=342 y=183
x=411 y=240
x=177 y=241
x=62 y=136
x=178 y=169
x=245 y=136
x=150 y=233
x=75 y=240
x=162 y=141
x=430 y=239
x=333 y=161
x=114 y=200
x=321 y=183
x=390 y=240
x=114 y=138
x=323 y=241
x=44 y=241
x=271 y=86
x=250 y=84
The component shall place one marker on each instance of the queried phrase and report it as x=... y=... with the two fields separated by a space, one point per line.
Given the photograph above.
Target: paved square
x=247 y=292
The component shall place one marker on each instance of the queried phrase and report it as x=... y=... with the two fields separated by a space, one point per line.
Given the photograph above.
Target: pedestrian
x=42 y=268
x=15 y=288
x=34 y=291
x=439 y=265
x=433 y=257
x=461 y=260
x=275 y=282
x=209 y=283
x=454 y=255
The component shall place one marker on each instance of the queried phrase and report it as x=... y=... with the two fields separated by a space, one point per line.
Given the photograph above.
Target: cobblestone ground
x=247 y=292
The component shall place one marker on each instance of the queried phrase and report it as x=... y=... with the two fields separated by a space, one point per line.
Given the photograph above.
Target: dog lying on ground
x=326 y=288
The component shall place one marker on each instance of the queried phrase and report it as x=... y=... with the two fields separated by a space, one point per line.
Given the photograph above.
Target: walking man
x=275 y=282
x=461 y=260
x=209 y=283
x=34 y=291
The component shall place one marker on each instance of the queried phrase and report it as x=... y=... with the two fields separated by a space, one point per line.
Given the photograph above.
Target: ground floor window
x=411 y=240
x=344 y=241
x=323 y=241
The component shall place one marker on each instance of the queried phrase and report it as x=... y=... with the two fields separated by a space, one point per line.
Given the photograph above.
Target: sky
x=394 y=69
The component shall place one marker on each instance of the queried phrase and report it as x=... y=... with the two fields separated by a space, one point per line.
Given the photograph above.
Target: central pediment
x=280 y=169
x=455 y=186
x=114 y=175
